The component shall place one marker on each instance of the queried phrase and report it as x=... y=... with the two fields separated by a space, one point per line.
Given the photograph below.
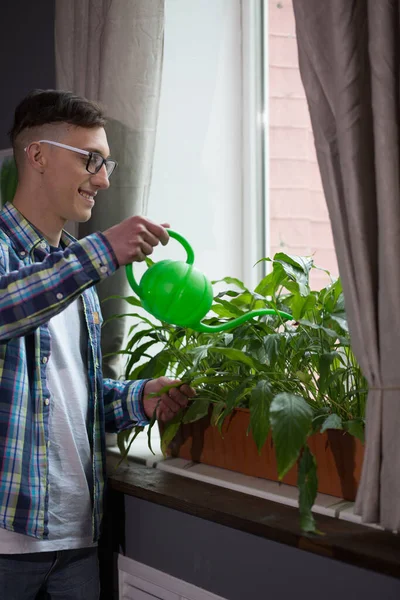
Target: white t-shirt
x=70 y=463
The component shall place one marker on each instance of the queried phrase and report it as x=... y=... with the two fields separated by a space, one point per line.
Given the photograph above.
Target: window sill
x=262 y=488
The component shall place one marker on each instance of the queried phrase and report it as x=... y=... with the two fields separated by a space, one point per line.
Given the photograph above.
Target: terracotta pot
x=339 y=455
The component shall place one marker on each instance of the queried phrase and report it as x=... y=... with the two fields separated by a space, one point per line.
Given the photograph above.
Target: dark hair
x=41 y=107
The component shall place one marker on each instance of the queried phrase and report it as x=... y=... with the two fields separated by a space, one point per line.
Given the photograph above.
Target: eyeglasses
x=95 y=160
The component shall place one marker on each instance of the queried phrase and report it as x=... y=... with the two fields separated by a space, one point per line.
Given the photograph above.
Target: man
x=55 y=405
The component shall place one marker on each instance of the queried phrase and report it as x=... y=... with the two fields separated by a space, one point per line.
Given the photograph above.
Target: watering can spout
x=177 y=293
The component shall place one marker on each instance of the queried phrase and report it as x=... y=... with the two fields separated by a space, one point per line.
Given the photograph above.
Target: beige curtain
x=111 y=51
x=349 y=53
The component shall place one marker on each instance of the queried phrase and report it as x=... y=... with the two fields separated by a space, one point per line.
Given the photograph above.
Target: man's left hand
x=168 y=403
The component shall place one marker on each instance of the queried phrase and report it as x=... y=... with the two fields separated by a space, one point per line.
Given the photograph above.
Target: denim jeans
x=61 y=575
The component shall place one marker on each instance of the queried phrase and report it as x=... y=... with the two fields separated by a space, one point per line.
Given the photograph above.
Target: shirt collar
x=23 y=235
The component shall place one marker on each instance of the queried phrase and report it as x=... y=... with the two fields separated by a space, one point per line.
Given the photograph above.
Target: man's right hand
x=135 y=238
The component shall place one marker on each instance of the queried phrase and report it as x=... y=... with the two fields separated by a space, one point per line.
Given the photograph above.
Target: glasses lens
x=110 y=166
x=95 y=163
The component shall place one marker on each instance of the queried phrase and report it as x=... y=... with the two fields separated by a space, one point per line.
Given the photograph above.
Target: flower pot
x=339 y=455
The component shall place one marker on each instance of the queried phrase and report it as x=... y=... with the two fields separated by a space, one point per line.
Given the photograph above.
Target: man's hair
x=43 y=107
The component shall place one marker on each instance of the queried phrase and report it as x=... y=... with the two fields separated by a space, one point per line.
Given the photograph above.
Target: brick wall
x=299 y=216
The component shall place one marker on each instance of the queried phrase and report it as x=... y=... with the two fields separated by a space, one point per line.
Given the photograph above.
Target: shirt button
x=43 y=244
x=59 y=296
x=22 y=253
x=47 y=401
x=44 y=360
x=103 y=269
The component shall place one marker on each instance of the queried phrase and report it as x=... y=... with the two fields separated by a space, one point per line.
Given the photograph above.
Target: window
x=282 y=179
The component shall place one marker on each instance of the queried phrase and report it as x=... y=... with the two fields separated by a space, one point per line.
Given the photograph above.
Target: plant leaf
x=307 y=482
x=271 y=346
x=234 y=354
x=8 y=179
x=320 y=415
x=236 y=394
x=170 y=432
x=325 y=361
x=297 y=269
x=133 y=300
x=269 y=284
x=291 y=419
x=199 y=353
x=231 y=281
x=122 y=439
x=223 y=308
x=332 y=422
x=341 y=321
x=260 y=400
x=301 y=305
x=245 y=300
x=218 y=409
x=156 y=367
x=356 y=427
x=197 y=409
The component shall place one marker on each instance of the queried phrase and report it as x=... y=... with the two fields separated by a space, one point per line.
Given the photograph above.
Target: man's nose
x=100 y=179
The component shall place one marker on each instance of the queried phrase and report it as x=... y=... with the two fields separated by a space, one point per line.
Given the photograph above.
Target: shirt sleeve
x=33 y=294
x=123 y=403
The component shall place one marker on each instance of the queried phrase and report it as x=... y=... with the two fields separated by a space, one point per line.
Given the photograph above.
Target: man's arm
x=123 y=404
x=30 y=296
x=33 y=294
x=130 y=403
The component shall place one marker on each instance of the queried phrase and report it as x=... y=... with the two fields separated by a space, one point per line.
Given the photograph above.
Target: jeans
x=61 y=575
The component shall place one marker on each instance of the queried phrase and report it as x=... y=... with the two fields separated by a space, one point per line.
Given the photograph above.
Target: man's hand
x=168 y=403
x=135 y=238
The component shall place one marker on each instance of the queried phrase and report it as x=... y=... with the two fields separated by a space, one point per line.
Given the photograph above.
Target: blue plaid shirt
x=35 y=285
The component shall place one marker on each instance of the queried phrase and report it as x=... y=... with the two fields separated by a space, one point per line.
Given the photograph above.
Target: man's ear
x=35 y=156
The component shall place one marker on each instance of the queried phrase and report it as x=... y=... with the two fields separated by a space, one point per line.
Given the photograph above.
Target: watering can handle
x=189 y=260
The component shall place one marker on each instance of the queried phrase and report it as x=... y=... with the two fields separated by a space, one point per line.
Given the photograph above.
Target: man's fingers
x=170 y=403
x=187 y=390
x=140 y=256
x=159 y=231
x=146 y=248
x=150 y=239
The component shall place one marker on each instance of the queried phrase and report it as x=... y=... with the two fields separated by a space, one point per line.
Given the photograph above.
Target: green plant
x=296 y=378
x=8 y=180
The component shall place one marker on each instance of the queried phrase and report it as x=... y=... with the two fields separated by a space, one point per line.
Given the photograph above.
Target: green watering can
x=177 y=293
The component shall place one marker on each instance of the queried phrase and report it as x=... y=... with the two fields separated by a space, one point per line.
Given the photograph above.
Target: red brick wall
x=299 y=221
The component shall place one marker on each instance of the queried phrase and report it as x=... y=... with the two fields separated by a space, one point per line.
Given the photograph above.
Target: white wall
x=196 y=184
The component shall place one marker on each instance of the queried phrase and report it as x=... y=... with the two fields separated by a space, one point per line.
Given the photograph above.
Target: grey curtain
x=111 y=51
x=349 y=54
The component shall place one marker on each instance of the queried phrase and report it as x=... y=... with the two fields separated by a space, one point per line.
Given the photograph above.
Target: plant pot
x=339 y=455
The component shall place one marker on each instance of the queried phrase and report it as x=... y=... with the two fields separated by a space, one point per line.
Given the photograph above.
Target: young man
x=55 y=405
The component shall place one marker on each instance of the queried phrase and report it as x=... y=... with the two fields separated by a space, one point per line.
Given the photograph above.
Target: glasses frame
x=105 y=161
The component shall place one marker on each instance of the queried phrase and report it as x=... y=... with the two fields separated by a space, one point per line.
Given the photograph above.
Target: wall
x=27 y=55
x=240 y=566
x=299 y=216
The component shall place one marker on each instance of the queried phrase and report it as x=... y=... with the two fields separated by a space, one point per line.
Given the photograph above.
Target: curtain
x=349 y=53
x=111 y=51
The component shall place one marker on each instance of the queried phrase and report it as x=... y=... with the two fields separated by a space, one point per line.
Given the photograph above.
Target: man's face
x=68 y=187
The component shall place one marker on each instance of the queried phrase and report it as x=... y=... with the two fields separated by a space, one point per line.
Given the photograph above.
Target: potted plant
x=289 y=387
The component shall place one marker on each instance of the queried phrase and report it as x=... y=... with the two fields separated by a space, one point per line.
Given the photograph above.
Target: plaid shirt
x=35 y=285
